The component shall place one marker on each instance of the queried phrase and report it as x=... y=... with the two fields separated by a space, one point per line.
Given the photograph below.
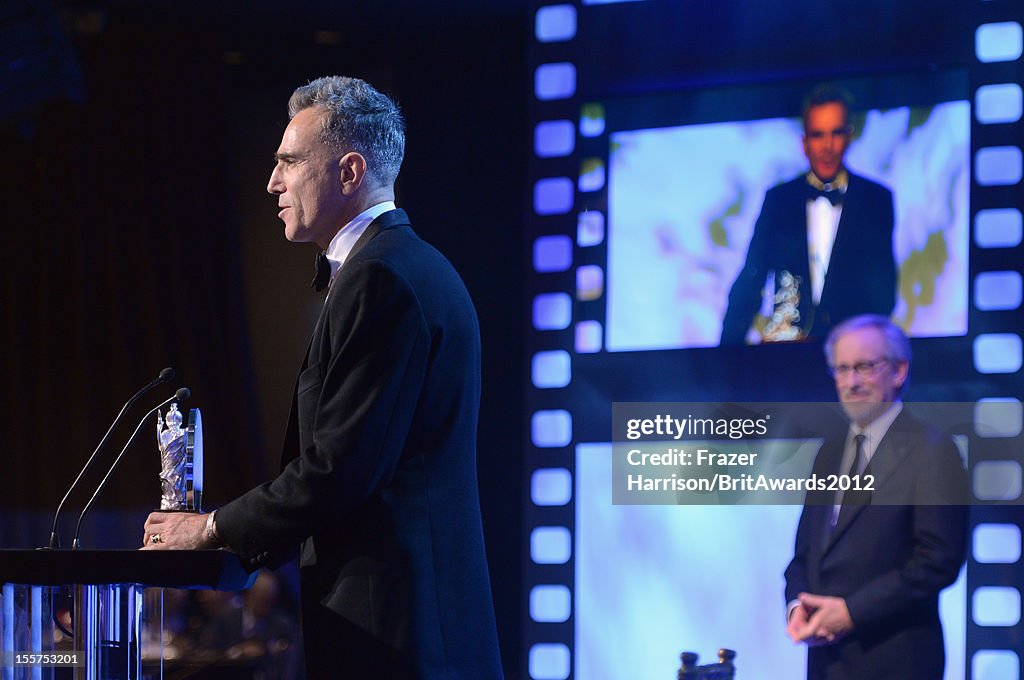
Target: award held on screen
x=181 y=460
x=784 y=323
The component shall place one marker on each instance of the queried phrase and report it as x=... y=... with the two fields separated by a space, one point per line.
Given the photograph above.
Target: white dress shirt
x=345 y=240
x=873 y=435
x=822 y=225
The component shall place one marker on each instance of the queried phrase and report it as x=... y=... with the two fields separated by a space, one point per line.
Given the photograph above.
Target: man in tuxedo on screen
x=378 y=485
x=863 y=586
x=822 y=243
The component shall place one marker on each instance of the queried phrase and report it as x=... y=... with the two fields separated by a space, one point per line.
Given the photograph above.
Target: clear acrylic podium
x=79 y=613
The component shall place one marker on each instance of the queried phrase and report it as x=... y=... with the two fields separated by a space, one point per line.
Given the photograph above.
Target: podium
x=102 y=593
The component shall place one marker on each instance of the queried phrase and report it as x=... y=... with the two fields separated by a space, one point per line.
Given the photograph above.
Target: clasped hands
x=819 y=620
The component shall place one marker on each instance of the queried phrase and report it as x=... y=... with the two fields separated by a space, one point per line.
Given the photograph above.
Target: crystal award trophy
x=784 y=323
x=181 y=460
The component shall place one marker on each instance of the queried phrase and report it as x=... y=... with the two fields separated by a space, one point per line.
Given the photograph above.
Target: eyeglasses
x=864 y=369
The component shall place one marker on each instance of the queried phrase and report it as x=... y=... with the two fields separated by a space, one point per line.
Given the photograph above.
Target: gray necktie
x=859 y=459
x=852 y=496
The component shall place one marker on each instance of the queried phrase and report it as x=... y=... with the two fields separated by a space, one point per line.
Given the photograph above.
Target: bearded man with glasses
x=863 y=586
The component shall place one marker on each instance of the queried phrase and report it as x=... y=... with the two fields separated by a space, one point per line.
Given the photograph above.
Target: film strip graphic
x=567 y=251
x=555 y=252
x=995 y=572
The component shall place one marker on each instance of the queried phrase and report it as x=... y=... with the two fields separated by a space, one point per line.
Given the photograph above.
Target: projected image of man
x=863 y=586
x=822 y=249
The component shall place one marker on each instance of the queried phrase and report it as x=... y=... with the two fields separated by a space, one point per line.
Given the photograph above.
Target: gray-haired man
x=378 y=482
x=864 y=583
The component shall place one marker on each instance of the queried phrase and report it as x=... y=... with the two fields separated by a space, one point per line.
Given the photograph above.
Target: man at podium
x=378 y=485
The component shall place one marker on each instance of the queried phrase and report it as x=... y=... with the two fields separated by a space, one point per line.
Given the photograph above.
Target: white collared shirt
x=822 y=225
x=345 y=240
x=873 y=435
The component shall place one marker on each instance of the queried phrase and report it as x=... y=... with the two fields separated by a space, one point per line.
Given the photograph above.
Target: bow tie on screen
x=323 y=272
x=834 y=195
x=833 y=190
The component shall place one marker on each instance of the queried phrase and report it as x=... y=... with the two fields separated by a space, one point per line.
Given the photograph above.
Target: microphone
x=166 y=375
x=181 y=395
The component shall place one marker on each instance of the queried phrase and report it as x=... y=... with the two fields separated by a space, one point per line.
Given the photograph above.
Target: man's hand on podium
x=177 y=531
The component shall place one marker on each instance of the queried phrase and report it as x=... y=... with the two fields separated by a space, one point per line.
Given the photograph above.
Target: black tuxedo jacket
x=379 y=477
x=861 y=276
x=888 y=561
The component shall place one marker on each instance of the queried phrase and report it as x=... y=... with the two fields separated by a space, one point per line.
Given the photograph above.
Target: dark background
x=138 y=234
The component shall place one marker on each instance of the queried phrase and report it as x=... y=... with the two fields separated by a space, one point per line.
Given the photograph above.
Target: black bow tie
x=323 y=272
x=834 y=196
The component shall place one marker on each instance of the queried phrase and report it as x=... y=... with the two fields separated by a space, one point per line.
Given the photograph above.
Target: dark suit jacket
x=888 y=561
x=861 y=276
x=379 y=478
